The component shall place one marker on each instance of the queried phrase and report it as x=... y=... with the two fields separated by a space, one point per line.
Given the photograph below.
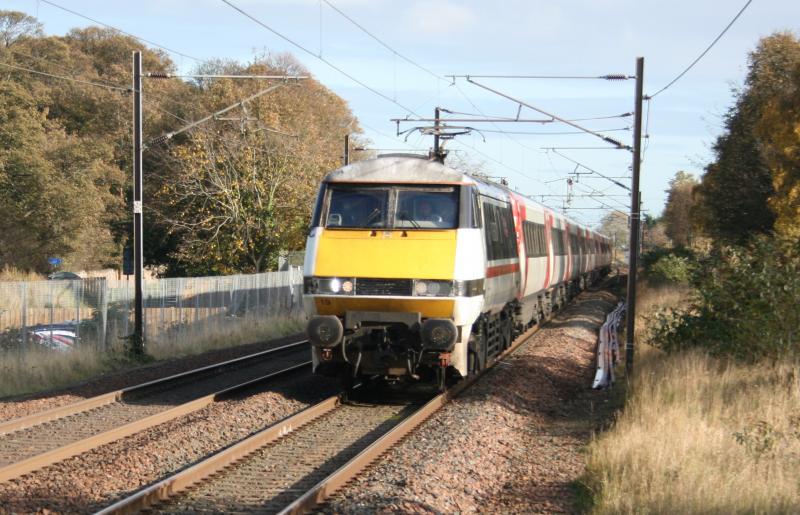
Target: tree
x=778 y=129
x=677 y=212
x=753 y=177
x=653 y=233
x=15 y=25
x=615 y=225
x=52 y=195
x=237 y=192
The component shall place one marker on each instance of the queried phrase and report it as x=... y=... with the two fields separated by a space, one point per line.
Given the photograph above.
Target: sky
x=482 y=37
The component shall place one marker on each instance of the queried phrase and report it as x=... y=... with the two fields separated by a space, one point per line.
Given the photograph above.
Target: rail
x=212 y=468
x=28 y=443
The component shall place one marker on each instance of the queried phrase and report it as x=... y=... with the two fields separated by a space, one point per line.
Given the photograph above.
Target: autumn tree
x=677 y=212
x=615 y=226
x=15 y=25
x=242 y=189
x=752 y=179
x=778 y=126
x=65 y=154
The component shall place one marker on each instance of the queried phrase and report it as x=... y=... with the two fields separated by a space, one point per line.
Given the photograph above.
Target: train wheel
x=441 y=379
x=508 y=332
x=476 y=350
x=346 y=379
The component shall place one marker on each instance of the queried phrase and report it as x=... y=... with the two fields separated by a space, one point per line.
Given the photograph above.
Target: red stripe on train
x=494 y=271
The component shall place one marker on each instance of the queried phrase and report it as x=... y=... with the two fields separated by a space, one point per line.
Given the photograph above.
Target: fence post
x=52 y=308
x=24 y=295
x=78 y=300
x=102 y=307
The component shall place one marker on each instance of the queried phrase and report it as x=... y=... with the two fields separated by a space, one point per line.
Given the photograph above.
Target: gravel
x=11 y=408
x=510 y=444
x=86 y=483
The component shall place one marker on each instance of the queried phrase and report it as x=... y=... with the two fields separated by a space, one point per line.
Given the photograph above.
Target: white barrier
x=608 y=348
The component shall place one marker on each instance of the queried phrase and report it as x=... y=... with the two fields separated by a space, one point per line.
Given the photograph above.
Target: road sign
x=54 y=261
x=127 y=261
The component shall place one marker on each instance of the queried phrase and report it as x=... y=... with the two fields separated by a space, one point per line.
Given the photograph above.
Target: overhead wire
x=104 y=83
x=76 y=13
x=552 y=133
x=355 y=79
x=609 y=117
x=70 y=79
x=383 y=44
x=323 y=59
x=730 y=24
x=429 y=72
x=57 y=65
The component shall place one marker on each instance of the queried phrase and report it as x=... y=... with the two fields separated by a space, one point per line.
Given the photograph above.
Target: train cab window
x=352 y=207
x=427 y=208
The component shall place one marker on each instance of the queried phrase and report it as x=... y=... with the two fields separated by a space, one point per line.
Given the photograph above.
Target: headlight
x=431 y=288
x=328 y=286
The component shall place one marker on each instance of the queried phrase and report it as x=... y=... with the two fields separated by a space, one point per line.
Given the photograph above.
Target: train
x=416 y=271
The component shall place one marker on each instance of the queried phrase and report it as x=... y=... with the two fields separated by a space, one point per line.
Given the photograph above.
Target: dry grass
x=39 y=370
x=10 y=273
x=222 y=333
x=700 y=435
x=652 y=298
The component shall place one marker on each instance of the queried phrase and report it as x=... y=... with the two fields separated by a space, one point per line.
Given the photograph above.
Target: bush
x=747 y=303
x=671 y=269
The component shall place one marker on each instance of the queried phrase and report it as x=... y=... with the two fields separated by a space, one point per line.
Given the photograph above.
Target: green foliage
x=754 y=178
x=671 y=269
x=65 y=156
x=746 y=303
x=652 y=256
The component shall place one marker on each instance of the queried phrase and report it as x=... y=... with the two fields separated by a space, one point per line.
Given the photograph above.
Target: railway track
x=295 y=464
x=39 y=440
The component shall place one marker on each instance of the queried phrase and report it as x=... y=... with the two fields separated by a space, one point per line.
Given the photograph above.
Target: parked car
x=63 y=276
x=59 y=337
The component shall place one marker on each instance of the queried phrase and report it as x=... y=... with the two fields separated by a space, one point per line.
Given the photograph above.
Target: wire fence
x=98 y=313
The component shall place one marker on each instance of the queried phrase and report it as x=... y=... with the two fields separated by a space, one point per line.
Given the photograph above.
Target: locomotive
x=415 y=271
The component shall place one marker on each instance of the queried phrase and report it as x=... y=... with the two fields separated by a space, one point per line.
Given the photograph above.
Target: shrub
x=745 y=305
x=671 y=269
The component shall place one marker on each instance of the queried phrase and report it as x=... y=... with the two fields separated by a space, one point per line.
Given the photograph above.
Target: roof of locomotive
x=410 y=168
x=398 y=168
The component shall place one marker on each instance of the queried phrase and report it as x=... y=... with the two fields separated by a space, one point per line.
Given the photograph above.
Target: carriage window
x=358 y=207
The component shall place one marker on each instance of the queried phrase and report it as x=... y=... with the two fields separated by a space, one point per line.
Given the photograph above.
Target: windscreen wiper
x=405 y=218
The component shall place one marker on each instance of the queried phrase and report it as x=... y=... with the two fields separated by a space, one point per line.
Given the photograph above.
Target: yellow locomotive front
x=382 y=288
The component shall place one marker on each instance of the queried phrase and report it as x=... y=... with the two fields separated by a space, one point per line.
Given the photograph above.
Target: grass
x=699 y=435
x=10 y=273
x=224 y=332
x=40 y=370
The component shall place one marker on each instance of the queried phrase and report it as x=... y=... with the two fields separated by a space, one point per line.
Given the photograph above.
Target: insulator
x=158 y=75
x=161 y=139
x=615 y=76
